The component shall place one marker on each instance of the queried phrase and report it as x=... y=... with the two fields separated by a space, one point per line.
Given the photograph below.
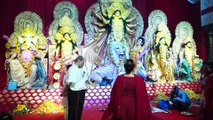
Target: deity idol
x=115 y=22
x=155 y=18
x=184 y=37
x=163 y=53
x=65 y=38
x=184 y=69
x=25 y=52
x=65 y=34
x=139 y=54
x=25 y=65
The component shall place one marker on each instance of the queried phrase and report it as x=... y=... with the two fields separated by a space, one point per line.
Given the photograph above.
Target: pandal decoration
x=66 y=17
x=192 y=94
x=20 y=109
x=126 y=9
x=160 y=96
x=154 y=19
x=56 y=76
x=48 y=106
x=183 y=29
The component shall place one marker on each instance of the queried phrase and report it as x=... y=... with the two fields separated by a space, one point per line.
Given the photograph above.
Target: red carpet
x=93 y=113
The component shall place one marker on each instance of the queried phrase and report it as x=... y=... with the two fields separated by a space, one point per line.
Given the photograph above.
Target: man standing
x=76 y=83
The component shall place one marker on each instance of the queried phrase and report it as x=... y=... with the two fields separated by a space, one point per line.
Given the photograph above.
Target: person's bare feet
x=169 y=111
x=187 y=113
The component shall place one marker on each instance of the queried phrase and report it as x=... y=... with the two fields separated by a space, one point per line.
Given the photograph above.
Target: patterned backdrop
x=95 y=96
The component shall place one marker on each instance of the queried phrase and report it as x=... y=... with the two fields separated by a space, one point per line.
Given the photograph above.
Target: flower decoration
x=160 y=96
x=48 y=106
x=57 y=66
x=56 y=76
x=192 y=94
x=20 y=109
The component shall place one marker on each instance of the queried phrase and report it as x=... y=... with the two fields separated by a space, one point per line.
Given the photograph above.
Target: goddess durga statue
x=115 y=19
x=114 y=22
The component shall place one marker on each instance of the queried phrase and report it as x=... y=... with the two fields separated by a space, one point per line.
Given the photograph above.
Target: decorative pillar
x=206 y=8
x=209 y=44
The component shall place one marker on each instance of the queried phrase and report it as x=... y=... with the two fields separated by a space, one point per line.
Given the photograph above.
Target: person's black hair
x=208 y=63
x=175 y=91
x=208 y=67
x=79 y=58
x=129 y=66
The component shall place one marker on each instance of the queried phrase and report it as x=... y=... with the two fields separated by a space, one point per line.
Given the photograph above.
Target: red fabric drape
x=176 y=11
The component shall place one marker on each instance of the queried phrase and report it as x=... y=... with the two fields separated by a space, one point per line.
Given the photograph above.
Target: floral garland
x=160 y=96
x=192 y=94
x=48 y=106
x=25 y=65
x=20 y=109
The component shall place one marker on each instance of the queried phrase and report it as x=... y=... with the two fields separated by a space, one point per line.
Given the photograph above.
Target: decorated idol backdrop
x=25 y=52
x=48 y=35
x=65 y=34
x=114 y=33
x=112 y=27
x=157 y=59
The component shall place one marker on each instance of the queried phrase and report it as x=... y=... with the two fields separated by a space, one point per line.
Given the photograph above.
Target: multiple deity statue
x=114 y=28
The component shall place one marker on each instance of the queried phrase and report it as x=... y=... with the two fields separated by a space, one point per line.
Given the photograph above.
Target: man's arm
x=65 y=91
x=183 y=97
